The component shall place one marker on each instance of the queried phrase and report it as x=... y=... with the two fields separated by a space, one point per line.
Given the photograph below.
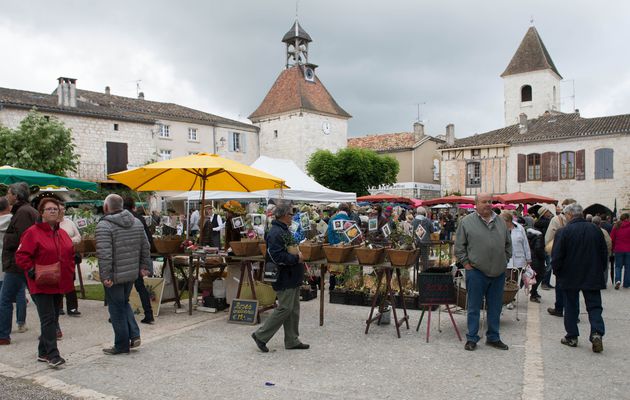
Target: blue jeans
x=593 y=300
x=622 y=261
x=478 y=286
x=121 y=314
x=12 y=291
x=547 y=277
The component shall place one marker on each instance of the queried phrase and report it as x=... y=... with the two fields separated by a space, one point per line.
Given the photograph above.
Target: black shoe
x=42 y=359
x=554 y=312
x=62 y=312
x=596 y=340
x=534 y=299
x=470 y=346
x=261 y=345
x=148 y=320
x=135 y=342
x=301 y=346
x=55 y=362
x=112 y=351
x=74 y=313
x=571 y=342
x=498 y=345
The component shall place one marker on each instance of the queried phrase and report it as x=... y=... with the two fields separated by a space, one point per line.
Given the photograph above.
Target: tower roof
x=296 y=31
x=292 y=92
x=531 y=55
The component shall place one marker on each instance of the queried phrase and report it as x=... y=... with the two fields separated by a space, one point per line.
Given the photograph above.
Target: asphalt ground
x=204 y=357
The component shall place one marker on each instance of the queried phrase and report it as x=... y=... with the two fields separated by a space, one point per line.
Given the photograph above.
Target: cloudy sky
x=379 y=59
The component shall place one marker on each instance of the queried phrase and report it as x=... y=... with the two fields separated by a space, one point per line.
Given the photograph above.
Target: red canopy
x=449 y=200
x=524 y=198
x=382 y=197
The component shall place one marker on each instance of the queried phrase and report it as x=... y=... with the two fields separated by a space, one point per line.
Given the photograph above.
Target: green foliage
x=39 y=144
x=124 y=192
x=352 y=169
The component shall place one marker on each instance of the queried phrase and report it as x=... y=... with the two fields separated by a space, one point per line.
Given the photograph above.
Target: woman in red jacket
x=45 y=244
x=620 y=236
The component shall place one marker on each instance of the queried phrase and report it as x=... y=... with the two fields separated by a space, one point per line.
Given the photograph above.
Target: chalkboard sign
x=243 y=311
x=436 y=289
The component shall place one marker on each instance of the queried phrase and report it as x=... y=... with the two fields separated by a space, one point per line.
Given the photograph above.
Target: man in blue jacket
x=579 y=258
x=287 y=286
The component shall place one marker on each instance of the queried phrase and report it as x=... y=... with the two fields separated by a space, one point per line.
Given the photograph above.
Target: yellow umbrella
x=198 y=172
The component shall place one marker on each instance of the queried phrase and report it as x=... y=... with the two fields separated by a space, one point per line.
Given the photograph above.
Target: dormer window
x=526 y=93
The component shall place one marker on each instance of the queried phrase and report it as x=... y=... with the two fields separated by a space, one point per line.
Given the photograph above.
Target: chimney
x=418 y=131
x=108 y=90
x=141 y=96
x=522 y=123
x=67 y=92
x=450 y=134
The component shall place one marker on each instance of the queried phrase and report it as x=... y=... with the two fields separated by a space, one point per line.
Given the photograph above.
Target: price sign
x=243 y=311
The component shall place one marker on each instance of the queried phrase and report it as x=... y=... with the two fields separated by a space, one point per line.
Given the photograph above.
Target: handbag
x=271 y=270
x=48 y=275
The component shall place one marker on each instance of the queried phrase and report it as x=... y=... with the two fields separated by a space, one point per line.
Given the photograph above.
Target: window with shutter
x=549 y=166
x=521 y=167
x=604 y=163
x=580 y=163
x=533 y=167
x=567 y=165
x=243 y=142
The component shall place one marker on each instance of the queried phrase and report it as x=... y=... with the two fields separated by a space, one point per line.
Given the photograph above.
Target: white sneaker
x=22 y=328
x=510 y=306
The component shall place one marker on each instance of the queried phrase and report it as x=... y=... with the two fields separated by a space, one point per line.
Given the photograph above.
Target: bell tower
x=296 y=40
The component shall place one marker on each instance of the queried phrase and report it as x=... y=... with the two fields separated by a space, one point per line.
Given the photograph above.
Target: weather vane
x=531 y=20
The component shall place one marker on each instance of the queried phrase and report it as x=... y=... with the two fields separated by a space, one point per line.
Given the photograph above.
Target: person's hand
x=468 y=267
x=144 y=272
x=108 y=283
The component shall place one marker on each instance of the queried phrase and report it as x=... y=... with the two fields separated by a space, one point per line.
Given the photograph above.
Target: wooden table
x=387 y=270
x=194 y=262
x=246 y=268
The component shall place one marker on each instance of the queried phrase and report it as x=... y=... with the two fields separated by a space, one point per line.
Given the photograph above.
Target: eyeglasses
x=51 y=209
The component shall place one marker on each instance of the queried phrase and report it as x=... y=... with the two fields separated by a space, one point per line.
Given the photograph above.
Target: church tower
x=531 y=81
x=298 y=115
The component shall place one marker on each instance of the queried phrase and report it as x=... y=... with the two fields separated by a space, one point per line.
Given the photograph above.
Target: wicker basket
x=265 y=293
x=339 y=254
x=401 y=258
x=86 y=246
x=367 y=256
x=509 y=293
x=245 y=248
x=312 y=251
x=167 y=246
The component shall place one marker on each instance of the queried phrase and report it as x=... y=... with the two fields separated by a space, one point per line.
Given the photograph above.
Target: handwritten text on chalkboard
x=243 y=311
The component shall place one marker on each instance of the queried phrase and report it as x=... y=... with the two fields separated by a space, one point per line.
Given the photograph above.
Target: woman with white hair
x=521 y=254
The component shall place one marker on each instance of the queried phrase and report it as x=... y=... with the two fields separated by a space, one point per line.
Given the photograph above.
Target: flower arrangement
x=234 y=207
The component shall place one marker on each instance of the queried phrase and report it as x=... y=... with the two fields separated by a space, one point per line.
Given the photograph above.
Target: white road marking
x=533 y=372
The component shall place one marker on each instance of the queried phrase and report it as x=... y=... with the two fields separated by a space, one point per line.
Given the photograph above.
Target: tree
x=39 y=144
x=352 y=169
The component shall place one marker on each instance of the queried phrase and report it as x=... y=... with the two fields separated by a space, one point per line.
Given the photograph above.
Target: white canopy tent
x=302 y=187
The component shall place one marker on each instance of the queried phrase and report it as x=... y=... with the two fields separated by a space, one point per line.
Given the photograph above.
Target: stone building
x=553 y=154
x=417 y=156
x=298 y=115
x=113 y=133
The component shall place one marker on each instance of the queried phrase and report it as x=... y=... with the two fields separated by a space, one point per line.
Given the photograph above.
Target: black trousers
x=145 y=297
x=49 y=320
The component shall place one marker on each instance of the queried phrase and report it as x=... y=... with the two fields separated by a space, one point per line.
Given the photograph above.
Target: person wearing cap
x=212 y=227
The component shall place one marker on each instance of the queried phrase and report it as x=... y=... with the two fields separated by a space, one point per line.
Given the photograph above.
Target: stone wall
x=494 y=174
x=300 y=134
x=590 y=190
x=543 y=83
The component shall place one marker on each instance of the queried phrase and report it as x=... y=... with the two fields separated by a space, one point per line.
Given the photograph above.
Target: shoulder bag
x=271 y=270
x=48 y=275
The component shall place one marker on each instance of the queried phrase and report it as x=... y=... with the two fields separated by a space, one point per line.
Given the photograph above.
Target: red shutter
x=580 y=173
x=544 y=167
x=554 y=166
x=522 y=168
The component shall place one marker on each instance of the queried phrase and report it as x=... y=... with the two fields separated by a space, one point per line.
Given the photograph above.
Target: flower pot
x=86 y=246
x=312 y=251
x=401 y=258
x=167 y=246
x=367 y=256
x=339 y=254
x=245 y=248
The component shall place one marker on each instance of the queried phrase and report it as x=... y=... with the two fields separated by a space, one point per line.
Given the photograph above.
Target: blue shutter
x=230 y=141
x=608 y=163
x=243 y=142
x=599 y=164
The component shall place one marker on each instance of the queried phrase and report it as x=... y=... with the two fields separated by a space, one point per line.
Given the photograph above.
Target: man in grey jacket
x=483 y=245
x=123 y=251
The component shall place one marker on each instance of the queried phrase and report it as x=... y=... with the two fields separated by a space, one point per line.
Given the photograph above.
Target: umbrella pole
x=203 y=210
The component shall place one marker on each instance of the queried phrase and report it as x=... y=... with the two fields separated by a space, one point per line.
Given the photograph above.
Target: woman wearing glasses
x=46 y=244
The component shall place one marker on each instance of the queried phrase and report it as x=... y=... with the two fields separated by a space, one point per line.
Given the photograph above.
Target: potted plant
x=86 y=221
x=312 y=249
x=403 y=251
x=369 y=253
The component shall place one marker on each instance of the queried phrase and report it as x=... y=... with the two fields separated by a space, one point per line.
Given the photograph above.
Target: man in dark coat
x=544 y=218
x=579 y=258
x=287 y=286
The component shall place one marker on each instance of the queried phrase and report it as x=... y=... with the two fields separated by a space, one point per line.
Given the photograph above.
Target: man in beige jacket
x=557 y=222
